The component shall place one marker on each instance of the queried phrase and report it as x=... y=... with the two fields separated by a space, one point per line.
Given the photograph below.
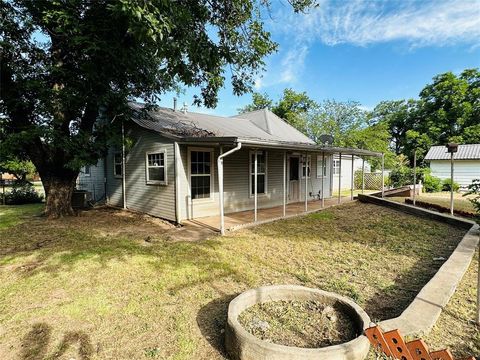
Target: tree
x=18 y=168
x=259 y=102
x=292 y=106
x=65 y=64
x=447 y=110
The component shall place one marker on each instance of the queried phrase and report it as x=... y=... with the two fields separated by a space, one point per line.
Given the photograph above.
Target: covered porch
x=241 y=219
x=302 y=173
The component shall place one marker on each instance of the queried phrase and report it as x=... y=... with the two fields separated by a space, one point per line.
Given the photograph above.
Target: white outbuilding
x=466 y=163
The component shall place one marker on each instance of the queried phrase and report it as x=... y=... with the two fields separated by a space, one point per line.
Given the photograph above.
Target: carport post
x=451 y=183
x=340 y=179
x=352 y=179
x=363 y=174
x=323 y=178
x=284 y=183
x=383 y=175
x=255 y=183
x=414 y=176
x=306 y=181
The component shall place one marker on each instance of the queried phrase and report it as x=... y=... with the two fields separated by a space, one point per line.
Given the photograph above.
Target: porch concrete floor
x=233 y=220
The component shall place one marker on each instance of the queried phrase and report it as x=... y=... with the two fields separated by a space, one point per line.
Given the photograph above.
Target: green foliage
x=474 y=189
x=403 y=175
x=447 y=185
x=432 y=183
x=448 y=109
x=70 y=67
x=24 y=194
x=18 y=168
x=259 y=102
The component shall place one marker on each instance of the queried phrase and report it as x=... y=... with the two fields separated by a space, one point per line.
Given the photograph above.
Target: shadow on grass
x=35 y=344
x=212 y=321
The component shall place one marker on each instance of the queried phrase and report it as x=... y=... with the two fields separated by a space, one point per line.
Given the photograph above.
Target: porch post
x=383 y=175
x=124 y=185
x=340 y=180
x=323 y=178
x=353 y=180
x=284 y=183
x=306 y=181
x=363 y=174
x=414 y=176
x=255 y=171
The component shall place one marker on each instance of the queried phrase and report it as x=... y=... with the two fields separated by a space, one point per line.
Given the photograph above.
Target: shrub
x=474 y=189
x=446 y=185
x=24 y=194
x=403 y=175
x=432 y=183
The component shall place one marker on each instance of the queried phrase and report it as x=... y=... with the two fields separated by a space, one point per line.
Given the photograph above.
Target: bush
x=432 y=183
x=474 y=189
x=446 y=185
x=24 y=194
x=403 y=175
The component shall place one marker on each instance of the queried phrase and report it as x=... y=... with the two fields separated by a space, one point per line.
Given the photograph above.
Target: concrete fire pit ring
x=241 y=345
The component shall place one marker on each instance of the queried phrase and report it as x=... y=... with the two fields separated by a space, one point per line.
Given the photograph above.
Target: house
x=466 y=163
x=181 y=165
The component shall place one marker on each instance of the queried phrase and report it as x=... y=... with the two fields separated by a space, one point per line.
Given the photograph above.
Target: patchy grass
x=109 y=284
x=14 y=215
x=456 y=328
x=443 y=199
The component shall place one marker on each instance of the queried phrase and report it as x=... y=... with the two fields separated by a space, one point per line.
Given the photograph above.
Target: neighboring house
x=346 y=170
x=466 y=163
x=171 y=168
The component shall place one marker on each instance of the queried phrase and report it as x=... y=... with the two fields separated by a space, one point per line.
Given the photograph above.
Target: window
x=261 y=172
x=309 y=161
x=86 y=170
x=321 y=166
x=156 y=173
x=117 y=165
x=336 y=167
x=201 y=174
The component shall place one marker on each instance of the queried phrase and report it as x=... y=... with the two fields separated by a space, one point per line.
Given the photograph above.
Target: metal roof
x=258 y=128
x=465 y=152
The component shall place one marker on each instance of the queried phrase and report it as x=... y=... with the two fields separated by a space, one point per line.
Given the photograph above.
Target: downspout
x=220 y=185
x=177 y=181
x=124 y=188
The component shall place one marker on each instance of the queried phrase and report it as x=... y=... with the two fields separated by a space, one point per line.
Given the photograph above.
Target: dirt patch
x=306 y=324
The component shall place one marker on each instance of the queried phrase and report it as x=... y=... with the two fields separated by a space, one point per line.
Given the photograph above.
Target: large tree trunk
x=58 y=192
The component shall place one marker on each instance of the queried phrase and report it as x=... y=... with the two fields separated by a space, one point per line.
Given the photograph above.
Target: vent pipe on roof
x=174 y=104
x=185 y=107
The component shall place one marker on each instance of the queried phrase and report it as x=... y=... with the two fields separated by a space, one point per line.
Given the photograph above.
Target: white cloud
x=361 y=23
x=420 y=23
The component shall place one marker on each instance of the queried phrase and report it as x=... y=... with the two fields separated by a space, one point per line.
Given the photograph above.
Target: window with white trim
x=321 y=166
x=200 y=174
x=86 y=170
x=308 y=164
x=261 y=172
x=156 y=167
x=336 y=167
x=117 y=164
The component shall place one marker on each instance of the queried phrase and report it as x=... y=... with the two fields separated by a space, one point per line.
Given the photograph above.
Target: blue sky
x=365 y=51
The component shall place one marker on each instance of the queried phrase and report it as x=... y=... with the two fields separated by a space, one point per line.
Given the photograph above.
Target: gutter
x=220 y=184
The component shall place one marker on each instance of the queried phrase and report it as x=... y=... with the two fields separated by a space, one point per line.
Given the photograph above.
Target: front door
x=294 y=179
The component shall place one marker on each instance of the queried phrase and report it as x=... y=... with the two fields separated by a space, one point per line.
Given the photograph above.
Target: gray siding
x=153 y=199
x=95 y=182
x=237 y=184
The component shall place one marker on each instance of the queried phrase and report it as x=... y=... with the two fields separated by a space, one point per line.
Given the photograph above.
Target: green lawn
x=109 y=284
